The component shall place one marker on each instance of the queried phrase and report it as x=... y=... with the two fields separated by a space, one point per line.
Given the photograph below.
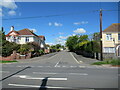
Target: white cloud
x=80 y=30
x=12 y=13
x=0 y=9
x=80 y=23
x=57 y=24
x=60 y=33
x=1 y=14
x=50 y=24
x=73 y=34
x=8 y=4
x=63 y=37
x=60 y=41
x=33 y=29
x=50 y=44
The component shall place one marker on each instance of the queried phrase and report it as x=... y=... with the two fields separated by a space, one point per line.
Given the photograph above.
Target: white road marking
x=38 y=78
x=53 y=56
x=82 y=66
x=78 y=73
x=40 y=66
x=37 y=86
x=43 y=73
x=60 y=73
x=64 y=66
x=4 y=72
x=73 y=66
x=57 y=64
x=43 y=78
x=75 y=58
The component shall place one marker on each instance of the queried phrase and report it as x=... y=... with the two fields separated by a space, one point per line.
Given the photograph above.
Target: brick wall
x=15 y=56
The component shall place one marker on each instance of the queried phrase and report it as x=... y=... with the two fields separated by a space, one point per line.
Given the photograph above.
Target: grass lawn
x=113 y=62
x=7 y=61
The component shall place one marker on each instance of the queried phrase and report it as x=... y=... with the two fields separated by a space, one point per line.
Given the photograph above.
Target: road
x=58 y=72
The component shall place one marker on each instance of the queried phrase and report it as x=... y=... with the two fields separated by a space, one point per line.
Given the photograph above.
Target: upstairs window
x=108 y=37
x=27 y=39
x=118 y=36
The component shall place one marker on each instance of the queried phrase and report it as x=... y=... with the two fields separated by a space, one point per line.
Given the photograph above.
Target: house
x=24 y=36
x=111 y=41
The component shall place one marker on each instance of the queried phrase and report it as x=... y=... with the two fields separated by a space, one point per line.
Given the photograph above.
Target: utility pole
x=101 y=46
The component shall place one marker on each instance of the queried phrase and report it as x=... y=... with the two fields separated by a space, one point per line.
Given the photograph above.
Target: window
x=108 y=37
x=109 y=50
x=118 y=36
x=27 y=39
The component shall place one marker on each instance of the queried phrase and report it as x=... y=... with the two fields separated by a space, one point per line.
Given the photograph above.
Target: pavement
x=61 y=71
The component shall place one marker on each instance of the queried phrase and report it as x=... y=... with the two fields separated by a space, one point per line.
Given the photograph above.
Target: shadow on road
x=15 y=73
x=44 y=83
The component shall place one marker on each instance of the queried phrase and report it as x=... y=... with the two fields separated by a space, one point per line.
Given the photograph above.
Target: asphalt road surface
x=58 y=72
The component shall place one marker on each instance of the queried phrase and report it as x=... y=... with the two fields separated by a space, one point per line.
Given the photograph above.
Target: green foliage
x=112 y=62
x=57 y=46
x=72 y=42
x=100 y=63
x=8 y=61
x=41 y=51
x=25 y=48
x=34 y=46
x=115 y=62
x=6 y=47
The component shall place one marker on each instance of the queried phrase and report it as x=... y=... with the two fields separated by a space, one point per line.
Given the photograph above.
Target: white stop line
x=38 y=78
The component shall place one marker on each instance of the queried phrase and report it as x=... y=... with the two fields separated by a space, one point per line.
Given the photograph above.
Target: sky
x=57 y=20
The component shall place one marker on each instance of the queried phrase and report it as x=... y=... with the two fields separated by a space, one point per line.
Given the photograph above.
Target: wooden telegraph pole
x=101 y=46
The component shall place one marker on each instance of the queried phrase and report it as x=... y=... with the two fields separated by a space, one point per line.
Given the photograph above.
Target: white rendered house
x=24 y=36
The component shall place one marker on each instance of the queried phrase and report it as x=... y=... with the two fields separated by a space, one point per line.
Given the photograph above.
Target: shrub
x=24 y=49
x=41 y=51
x=112 y=62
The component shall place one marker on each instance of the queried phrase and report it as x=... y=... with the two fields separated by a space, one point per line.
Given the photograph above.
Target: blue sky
x=76 y=18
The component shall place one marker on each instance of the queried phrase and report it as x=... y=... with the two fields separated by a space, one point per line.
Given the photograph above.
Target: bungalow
x=24 y=36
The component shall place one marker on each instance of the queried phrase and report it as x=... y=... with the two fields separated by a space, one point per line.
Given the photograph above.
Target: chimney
x=12 y=28
x=32 y=31
x=2 y=29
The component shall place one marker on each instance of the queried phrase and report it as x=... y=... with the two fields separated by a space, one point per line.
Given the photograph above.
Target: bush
x=112 y=62
x=8 y=48
x=24 y=49
x=41 y=51
x=115 y=62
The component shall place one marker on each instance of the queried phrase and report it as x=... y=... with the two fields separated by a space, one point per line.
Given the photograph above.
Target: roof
x=115 y=27
x=26 y=32
x=42 y=37
x=14 y=32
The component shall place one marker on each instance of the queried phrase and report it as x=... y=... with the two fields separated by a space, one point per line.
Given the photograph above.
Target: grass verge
x=113 y=62
x=8 y=61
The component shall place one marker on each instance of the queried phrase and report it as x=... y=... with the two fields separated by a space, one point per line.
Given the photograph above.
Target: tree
x=71 y=42
x=57 y=46
x=24 y=48
x=83 y=38
x=6 y=47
